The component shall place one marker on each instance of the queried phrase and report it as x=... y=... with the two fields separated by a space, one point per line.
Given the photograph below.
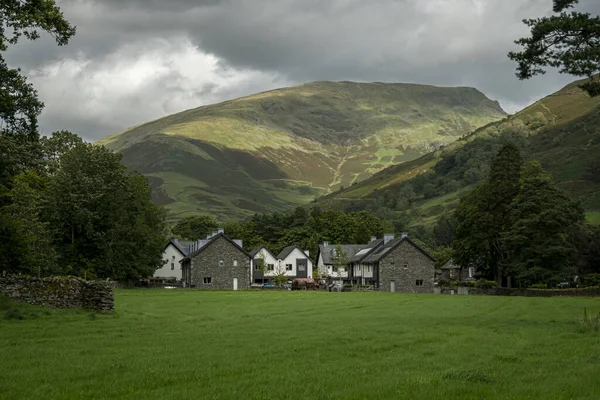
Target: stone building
x=326 y=258
x=217 y=263
x=452 y=272
x=400 y=265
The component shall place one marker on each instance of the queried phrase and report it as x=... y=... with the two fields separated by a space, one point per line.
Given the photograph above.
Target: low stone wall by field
x=583 y=292
x=60 y=292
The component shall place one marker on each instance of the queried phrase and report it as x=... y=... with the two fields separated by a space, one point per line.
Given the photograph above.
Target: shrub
x=485 y=284
x=538 y=286
x=592 y=280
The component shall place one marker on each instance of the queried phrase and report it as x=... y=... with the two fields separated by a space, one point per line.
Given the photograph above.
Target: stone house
x=295 y=262
x=173 y=253
x=262 y=254
x=451 y=272
x=217 y=263
x=326 y=258
x=400 y=265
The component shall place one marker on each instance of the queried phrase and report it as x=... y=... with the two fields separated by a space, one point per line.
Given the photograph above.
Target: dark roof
x=327 y=252
x=288 y=249
x=255 y=251
x=358 y=258
x=211 y=241
x=450 y=265
x=391 y=245
x=182 y=245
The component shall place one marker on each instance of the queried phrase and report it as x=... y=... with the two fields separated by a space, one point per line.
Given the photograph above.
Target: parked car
x=268 y=286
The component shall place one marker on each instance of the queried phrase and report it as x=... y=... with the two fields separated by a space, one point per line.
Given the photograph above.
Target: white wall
x=171 y=256
x=363 y=270
x=269 y=259
x=291 y=259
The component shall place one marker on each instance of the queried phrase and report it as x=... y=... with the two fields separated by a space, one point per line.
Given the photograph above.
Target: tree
x=568 y=41
x=544 y=220
x=339 y=261
x=195 y=227
x=103 y=219
x=484 y=215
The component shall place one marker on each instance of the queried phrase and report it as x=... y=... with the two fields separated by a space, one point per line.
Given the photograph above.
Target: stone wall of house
x=60 y=292
x=207 y=264
x=419 y=267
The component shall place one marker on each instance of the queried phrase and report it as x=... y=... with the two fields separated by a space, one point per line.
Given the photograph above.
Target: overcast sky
x=136 y=60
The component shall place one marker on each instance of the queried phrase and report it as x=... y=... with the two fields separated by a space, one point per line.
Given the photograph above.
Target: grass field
x=164 y=344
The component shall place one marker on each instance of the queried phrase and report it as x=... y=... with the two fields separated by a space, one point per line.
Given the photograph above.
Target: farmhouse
x=217 y=263
x=400 y=265
x=296 y=262
x=327 y=257
x=261 y=254
x=173 y=253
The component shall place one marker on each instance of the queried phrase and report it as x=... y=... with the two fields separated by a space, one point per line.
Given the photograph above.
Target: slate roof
x=450 y=265
x=327 y=252
x=182 y=245
x=369 y=248
x=210 y=241
x=381 y=252
x=288 y=249
x=255 y=251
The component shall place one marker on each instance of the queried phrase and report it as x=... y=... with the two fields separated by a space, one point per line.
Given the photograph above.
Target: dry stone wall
x=60 y=292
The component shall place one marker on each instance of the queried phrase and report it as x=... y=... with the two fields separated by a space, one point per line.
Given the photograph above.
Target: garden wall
x=583 y=292
x=60 y=292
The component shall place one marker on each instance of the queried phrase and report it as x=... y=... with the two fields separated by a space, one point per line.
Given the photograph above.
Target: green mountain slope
x=273 y=150
x=562 y=131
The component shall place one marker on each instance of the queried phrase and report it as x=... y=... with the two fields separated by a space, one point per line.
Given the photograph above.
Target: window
x=207 y=280
x=368 y=268
x=471 y=272
x=405 y=265
x=173 y=257
x=257 y=266
x=288 y=267
x=172 y=266
x=235 y=263
x=271 y=267
x=221 y=263
x=301 y=267
x=419 y=282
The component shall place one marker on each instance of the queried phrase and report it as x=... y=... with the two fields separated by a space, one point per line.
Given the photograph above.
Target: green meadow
x=185 y=344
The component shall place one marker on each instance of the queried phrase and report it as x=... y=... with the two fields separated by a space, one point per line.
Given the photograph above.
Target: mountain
x=562 y=131
x=277 y=149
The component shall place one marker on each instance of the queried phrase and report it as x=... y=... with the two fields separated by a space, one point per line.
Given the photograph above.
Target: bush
x=592 y=280
x=538 y=286
x=485 y=284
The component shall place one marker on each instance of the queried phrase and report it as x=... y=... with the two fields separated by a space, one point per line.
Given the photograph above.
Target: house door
x=392 y=286
x=235 y=284
x=301 y=268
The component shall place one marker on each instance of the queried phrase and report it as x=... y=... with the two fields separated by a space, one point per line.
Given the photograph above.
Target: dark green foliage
x=102 y=216
x=485 y=284
x=568 y=41
x=484 y=215
x=540 y=240
x=444 y=230
x=194 y=228
x=306 y=229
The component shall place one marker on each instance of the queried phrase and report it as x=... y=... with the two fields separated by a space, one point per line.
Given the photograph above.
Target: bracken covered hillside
x=281 y=148
x=562 y=131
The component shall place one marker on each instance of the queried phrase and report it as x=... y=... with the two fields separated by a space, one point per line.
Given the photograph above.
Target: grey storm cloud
x=190 y=53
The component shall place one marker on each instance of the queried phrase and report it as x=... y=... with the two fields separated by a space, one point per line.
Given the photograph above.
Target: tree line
x=66 y=206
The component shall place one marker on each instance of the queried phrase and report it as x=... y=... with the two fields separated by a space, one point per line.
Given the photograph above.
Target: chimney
x=387 y=237
x=373 y=238
x=238 y=242
x=325 y=243
x=404 y=235
x=220 y=230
